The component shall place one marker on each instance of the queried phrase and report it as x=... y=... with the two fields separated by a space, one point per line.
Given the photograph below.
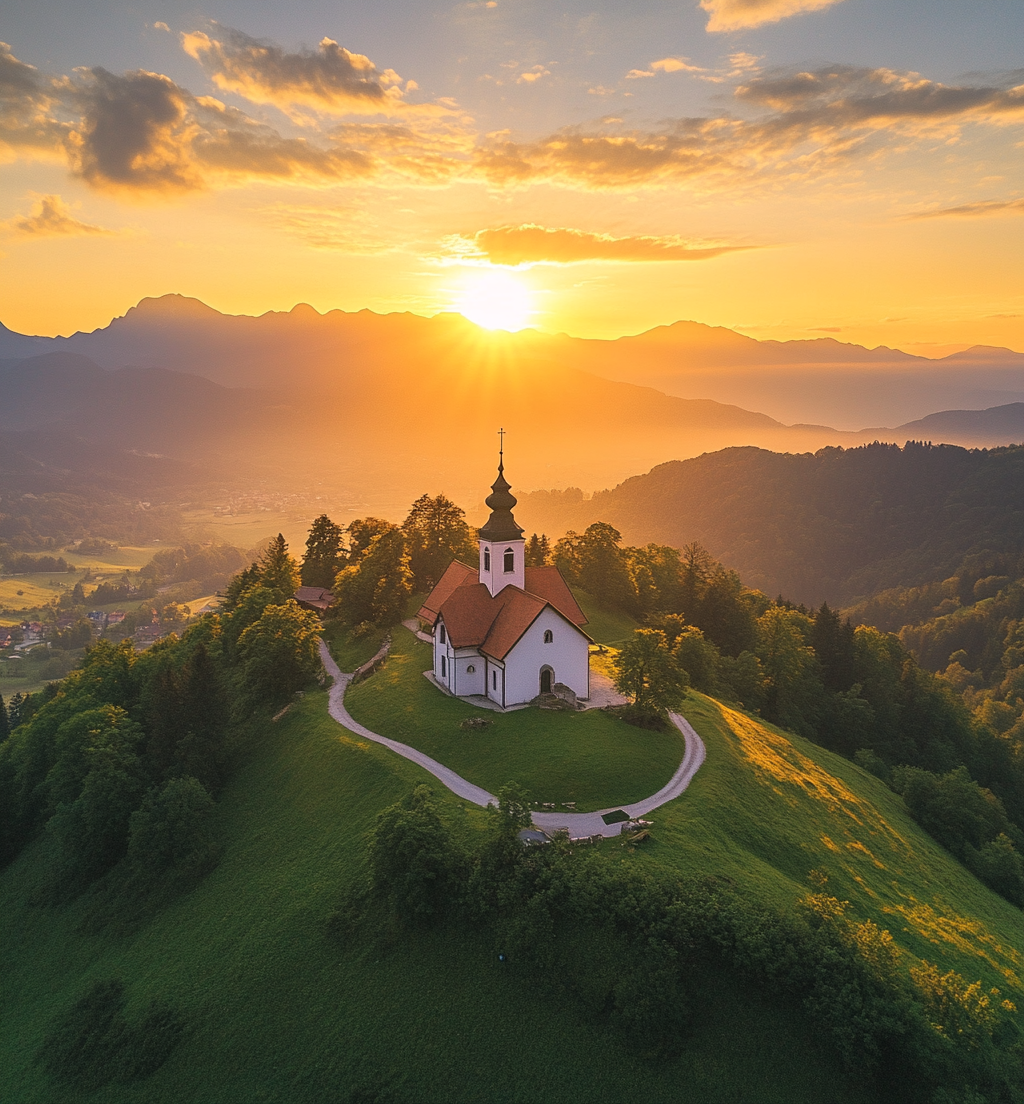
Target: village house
x=504 y=630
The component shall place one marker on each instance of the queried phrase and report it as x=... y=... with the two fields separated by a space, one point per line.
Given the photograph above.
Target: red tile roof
x=475 y=619
x=547 y=583
x=317 y=597
x=456 y=575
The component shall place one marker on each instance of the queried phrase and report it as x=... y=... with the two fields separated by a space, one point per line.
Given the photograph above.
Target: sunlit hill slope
x=280 y=1007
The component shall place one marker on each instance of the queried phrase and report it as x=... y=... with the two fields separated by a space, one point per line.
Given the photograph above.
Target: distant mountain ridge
x=396 y=404
x=820 y=381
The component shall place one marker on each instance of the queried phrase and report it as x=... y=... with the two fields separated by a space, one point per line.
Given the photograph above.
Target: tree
x=787 y=664
x=5 y=726
x=361 y=533
x=832 y=641
x=325 y=554
x=413 y=862
x=376 y=587
x=172 y=832
x=435 y=534
x=280 y=652
x=278 y=571
x=538 y=551
x=647 y=672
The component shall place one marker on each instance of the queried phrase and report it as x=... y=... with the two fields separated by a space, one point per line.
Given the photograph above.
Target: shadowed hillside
x=832 y=526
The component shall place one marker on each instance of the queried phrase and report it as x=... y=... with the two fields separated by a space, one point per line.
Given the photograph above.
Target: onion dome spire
x=501 y=525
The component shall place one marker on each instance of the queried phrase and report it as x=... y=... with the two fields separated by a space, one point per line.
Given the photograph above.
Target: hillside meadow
x=282 y=1005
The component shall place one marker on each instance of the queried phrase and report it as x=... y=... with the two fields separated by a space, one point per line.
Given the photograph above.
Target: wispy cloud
x=514 y=245
x=329 y=79
x=988 y=207
x=811 y=123
x=665 y=65
x=51 y=217
x=734 y=15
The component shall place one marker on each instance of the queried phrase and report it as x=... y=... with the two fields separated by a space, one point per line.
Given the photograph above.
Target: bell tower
x=502 y=548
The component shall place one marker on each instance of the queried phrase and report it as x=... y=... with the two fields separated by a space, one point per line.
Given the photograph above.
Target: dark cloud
x=143 y=132
x=982 y=209
x=51 y=217
x=512 y=245
x=330 y=79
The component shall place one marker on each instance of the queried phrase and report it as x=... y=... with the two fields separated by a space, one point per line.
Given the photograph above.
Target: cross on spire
x=501 y=449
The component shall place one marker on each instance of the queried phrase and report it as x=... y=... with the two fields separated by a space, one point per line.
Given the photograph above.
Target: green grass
x=351 y=652
x=280 y=1012
x=767 y=807
x=589 y=757
x=604 y=626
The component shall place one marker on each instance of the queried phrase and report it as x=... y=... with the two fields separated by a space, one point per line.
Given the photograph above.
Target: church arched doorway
x=547 y=677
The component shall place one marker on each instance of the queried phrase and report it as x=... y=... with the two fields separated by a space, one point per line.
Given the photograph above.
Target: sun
x=495 y=299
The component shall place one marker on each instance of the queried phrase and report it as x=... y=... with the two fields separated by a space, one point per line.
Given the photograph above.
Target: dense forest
x=838 y=525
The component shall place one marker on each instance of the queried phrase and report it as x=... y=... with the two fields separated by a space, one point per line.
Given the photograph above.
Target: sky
x=786 y=168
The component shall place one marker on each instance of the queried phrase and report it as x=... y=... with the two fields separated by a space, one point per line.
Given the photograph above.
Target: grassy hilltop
x=283 y=1006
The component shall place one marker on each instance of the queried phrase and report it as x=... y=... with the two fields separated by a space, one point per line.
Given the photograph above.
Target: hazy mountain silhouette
x=821 y=381
x=394 y=402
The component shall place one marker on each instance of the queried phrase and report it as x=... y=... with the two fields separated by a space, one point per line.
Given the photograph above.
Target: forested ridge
x=838 y=525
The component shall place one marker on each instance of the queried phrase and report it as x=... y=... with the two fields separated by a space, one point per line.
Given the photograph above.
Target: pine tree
x=538 y=551
x=832 y=641
x=278 y=571
x=325 y=555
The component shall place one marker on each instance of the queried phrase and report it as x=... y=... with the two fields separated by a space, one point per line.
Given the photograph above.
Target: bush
x=93 y=1043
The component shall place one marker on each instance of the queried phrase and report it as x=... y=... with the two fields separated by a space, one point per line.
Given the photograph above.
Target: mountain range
x=817 y=382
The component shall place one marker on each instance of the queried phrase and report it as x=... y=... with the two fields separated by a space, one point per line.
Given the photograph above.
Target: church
x=501 y=629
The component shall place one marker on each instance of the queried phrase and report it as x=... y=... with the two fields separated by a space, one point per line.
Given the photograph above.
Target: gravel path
x=578 y=824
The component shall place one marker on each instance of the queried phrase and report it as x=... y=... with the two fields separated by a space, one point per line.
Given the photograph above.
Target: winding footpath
x=578 y=824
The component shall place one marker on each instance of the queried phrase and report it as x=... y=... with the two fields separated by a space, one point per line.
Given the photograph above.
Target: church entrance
x=546 y=675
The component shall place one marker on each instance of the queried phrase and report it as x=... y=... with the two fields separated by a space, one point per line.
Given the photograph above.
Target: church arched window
x=444 y=637
x=487 y=559
x=470 y=670
x=444 y=668
x=510 y=561
x=549 y=636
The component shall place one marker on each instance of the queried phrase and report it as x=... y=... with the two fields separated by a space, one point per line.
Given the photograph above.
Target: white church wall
x=442 y=651
x=568 y=656
x=496 y=578
x=495 y=676
x=468 y=665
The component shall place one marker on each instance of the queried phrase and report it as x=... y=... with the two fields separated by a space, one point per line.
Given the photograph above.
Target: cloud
x=142 y=132
x=330 y=79
x=974 y=210
x=513 y=245
x=533 y=74
x=51 y=217
x=26 y=106
x=665 y=65
x=805 y=125
x=733 y=15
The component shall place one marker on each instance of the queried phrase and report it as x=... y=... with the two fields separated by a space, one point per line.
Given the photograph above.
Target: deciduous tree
x=435 y=534
x=647 y=672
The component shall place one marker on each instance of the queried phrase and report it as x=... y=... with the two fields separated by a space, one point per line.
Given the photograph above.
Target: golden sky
x=787 y=168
